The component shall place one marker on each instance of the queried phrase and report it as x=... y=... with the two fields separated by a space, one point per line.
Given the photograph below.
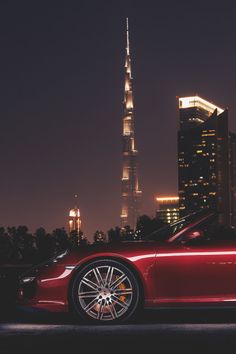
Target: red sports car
x=190 y=262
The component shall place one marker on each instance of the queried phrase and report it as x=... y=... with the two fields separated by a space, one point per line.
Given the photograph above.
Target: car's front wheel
x=105 y=290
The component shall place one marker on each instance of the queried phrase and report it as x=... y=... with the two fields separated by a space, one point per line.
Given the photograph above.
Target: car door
x=195 y=272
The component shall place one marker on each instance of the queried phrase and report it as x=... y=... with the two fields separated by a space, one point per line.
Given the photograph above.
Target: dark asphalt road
x=161 y=332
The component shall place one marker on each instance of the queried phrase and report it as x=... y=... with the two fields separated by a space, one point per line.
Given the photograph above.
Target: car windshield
x=163 y=234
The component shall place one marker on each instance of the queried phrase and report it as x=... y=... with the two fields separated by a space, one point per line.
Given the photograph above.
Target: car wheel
x=105 y=290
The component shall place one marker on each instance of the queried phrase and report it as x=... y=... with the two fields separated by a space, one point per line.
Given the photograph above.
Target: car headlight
x=30 y=275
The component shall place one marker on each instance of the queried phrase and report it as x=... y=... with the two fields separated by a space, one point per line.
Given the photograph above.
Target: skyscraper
x=74 y=219
x=206 y=159
x=130 y=188
x=168 y=209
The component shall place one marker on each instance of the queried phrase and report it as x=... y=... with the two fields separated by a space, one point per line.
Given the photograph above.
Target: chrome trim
x=70 y=267
x=26 y=280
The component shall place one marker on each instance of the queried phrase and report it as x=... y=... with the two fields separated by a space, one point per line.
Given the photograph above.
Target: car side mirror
x=192 y=237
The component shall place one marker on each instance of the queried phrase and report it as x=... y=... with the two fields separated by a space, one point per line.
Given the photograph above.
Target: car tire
x=105 y=291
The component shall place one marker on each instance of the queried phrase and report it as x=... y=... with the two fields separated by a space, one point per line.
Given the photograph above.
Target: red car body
x=172 y=273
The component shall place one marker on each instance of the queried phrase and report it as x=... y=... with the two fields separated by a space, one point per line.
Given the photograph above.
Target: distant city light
x=163 y=199
x=196 y=101
x=74 y=213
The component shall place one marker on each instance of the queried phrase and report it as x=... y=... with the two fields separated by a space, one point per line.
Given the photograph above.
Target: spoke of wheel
x=118 y=281
x=109 y=276
x=90 y=305
x=87 y=294
x=117 y=301
x=120 y=292
x=98 y=276
x=100 y=312
x=90 y=283
x=113 y=311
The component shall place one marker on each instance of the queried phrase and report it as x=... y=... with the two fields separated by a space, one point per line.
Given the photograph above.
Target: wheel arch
x=122 y=260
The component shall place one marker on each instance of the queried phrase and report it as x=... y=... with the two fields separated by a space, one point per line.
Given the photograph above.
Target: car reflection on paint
x=191 y=262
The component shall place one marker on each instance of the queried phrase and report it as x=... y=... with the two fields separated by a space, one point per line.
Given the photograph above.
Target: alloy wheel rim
x=105 y=293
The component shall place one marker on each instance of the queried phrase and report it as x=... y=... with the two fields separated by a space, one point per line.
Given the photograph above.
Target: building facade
x=206 y=159
x=74 y=220
x=131 y=194
x=168 y=209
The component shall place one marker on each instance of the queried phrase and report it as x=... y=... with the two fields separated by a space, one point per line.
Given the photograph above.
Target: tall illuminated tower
x=74 y=219
x=130 y=188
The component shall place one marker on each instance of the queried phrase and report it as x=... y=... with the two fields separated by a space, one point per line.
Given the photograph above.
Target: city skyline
x=62 y=87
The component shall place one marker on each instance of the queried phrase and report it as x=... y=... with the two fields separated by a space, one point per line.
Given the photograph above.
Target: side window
x=217 y=233
x=201 y=234
x=210 y=232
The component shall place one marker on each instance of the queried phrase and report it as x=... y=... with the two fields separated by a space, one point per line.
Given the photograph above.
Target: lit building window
x=168 y=208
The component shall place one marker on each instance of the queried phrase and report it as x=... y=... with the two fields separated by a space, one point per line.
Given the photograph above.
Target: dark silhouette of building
x=130 y=188
x=206 y=160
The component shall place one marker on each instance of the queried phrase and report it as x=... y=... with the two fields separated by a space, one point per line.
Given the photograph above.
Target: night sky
x=61 y=88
